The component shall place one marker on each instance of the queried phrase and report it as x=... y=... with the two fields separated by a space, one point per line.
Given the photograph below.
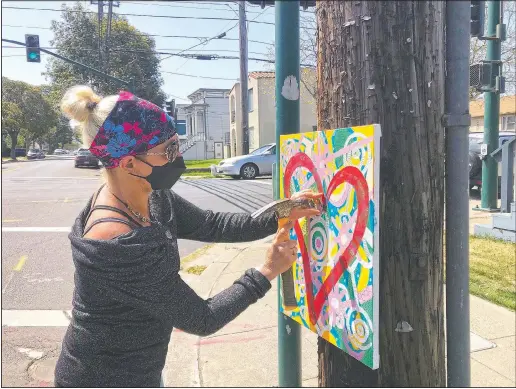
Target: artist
x=128 y=294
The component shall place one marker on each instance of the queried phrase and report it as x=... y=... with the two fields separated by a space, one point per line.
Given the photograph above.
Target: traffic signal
x=170 y=107
x=32 y=47
x=477 y=18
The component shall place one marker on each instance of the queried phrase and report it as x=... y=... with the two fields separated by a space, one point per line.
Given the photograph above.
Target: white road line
x=36 y=229
x=35 y=318
x=262 y=182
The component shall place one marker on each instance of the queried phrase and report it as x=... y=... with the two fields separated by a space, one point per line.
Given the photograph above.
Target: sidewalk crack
x=239 y=332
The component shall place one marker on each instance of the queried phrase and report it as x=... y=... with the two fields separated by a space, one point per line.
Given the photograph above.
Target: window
x=227 y=139
x=250 y=99
x=510 y=123
x=251 y=138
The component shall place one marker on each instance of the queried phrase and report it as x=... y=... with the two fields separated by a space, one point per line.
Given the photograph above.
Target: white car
x=257 y=163
x=60 y=152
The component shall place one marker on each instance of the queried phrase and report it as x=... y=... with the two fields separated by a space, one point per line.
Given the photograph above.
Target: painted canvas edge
x=377 y=134
x=376 y=257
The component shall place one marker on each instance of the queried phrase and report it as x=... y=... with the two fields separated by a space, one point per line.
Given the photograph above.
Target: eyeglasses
x=171 y=152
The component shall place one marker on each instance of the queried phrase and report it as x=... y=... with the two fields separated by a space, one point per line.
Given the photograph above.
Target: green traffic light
x=33 y=55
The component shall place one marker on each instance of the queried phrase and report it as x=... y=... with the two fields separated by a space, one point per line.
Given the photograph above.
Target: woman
x=128 y=294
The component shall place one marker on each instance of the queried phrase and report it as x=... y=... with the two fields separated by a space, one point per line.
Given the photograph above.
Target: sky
x=14 y=63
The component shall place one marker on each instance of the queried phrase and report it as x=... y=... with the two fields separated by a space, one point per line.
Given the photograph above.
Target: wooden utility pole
x=383 y=62
x=243 y=77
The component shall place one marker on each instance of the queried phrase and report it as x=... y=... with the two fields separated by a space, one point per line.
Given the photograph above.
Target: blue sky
x=14 y=64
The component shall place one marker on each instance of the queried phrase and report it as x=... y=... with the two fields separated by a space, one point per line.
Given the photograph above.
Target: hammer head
x=284 y=207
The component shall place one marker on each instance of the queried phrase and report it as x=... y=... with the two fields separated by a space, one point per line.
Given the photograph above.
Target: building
x=262 y=111
x=507 y=114
x=205 y=122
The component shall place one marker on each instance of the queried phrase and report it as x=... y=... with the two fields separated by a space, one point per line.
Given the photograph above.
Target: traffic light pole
x=128 y=84
x=489 y=195
x=287 y=122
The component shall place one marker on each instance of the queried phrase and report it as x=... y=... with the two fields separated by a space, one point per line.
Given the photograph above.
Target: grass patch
x=201 y=175
x=492 y=268
x=197 y=270
x=196 y=164
x=5 y=159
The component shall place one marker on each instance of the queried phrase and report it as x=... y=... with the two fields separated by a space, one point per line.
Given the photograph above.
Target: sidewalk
x=244 y=353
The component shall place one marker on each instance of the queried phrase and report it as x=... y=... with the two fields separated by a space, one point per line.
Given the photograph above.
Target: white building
x=207 y=122
x=262 y=110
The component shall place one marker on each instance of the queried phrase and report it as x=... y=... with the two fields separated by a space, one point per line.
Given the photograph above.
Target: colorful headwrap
x=133 y=127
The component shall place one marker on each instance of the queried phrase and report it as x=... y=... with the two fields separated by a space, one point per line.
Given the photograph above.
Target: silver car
x=257 y=163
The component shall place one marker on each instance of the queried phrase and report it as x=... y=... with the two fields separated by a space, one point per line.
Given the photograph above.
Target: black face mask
x=164 y=177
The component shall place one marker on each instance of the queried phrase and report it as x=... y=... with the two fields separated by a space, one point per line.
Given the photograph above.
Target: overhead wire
x=155 y=35
x=135 y=15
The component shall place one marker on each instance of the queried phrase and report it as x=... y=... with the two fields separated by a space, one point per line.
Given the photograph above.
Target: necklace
x=138 y=215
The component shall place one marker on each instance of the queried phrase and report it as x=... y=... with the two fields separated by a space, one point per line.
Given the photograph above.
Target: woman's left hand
x=298 y=213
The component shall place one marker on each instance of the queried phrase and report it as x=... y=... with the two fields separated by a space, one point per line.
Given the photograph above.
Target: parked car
x=475 y=157
x=60 y=152
x=35 y=154
x=20 y=152
x=85 y=158
x=257 y=163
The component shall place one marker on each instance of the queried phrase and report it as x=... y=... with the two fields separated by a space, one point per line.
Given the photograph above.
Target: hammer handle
x=287 y=279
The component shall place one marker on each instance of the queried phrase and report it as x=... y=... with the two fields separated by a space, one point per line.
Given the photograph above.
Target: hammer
x=283 y=208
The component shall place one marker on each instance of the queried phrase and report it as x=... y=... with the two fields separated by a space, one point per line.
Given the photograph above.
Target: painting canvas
x=336 y=272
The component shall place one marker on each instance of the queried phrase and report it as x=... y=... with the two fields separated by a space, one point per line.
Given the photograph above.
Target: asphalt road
x=37 y=268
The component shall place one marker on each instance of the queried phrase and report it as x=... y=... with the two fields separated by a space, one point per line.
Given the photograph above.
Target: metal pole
x=489 y=195
x=100 y=19
x=243 y=77
x=98 y=72
x=287 y=122
x=108 y=31
x=457 y=121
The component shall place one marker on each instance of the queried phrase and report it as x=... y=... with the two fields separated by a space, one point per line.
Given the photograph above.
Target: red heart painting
x=354 y=177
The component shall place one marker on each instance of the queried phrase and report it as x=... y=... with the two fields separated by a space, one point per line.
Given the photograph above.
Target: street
x=40 y=201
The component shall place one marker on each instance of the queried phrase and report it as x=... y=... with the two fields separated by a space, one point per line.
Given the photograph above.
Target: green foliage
x=27 y=111
x=60 y=135
x=76 y=37
x=12 y=117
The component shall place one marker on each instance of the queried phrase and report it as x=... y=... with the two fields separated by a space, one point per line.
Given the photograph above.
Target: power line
x=192 y=75
x=130 y=50
x=198 y=56
x=155 y=35
x=186 y=7
x=219 y=36
x=137 y=15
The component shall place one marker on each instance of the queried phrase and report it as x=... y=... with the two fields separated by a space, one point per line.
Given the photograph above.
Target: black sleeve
x=172 y=301
x=207 y=226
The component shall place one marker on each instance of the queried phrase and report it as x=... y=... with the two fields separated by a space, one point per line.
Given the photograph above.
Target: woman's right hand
x=280 y=255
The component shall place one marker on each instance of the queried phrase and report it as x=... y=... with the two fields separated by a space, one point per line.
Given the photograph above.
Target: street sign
x=32 y=48
x=483 y=149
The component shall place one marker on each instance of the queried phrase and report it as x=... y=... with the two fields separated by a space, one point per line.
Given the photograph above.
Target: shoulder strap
x=93 y=201
x=108 y=219
x=114 y=209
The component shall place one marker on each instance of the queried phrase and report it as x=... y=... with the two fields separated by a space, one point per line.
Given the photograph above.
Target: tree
x=76 y=36
x=34 y=114
x=12 y=120
x=61 y=134
x=479 y=50
x=383 y=62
